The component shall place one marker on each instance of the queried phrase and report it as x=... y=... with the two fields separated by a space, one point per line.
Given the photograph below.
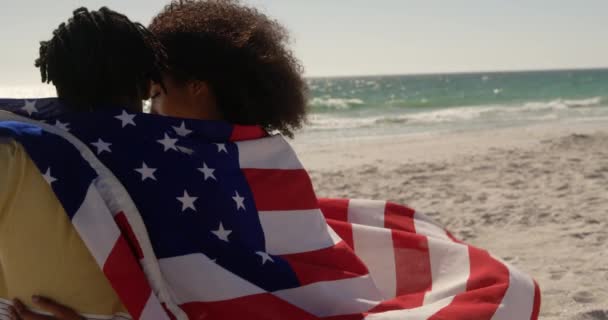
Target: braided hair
x=101 y=58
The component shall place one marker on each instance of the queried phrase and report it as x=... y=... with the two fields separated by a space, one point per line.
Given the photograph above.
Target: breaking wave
x=335 y=103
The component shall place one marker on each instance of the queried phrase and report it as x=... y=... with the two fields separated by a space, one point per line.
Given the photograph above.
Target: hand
x=19 y=312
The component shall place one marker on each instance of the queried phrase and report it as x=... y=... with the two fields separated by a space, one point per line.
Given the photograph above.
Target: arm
x=59 y=312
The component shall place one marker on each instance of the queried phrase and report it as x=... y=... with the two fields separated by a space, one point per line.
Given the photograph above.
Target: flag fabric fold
x=202 y=219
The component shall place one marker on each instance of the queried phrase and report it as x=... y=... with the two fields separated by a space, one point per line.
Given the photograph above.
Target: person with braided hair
x=101 y=58
x=98 y=59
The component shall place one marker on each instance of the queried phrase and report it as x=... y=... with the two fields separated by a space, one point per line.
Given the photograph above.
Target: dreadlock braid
x=100 y=58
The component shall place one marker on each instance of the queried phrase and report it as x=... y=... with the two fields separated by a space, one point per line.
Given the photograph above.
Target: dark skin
x=59 y=312
x=191 y=99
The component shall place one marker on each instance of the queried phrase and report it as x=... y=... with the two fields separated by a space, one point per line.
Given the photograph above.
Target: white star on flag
x=168 y=143
x=182 y=130
x=185 y=150
x=187 y=201
x=102 y=146
x=146 y=172
x=47 y=176
x=208 y=172
x=240 y=201
x=126 y=119
x=29 y=107
x=265 y=256
x=222 y=233
x=61 y=125
x=221 y=147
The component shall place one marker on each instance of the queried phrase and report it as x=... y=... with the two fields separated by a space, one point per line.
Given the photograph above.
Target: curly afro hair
x=241 y=54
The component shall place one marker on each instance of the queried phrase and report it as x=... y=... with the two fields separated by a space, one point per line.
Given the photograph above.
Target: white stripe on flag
x=154 y=311
x=450 y=264
x=373 y=244
x=518 y=302
x=332 y=298
x=420 y=313
x=195 y=278
x=288 y=232
x=95 y=225
x=450 y=269
x=366 y=212
x=267 y=153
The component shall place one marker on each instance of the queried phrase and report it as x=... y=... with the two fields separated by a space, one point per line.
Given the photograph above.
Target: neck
x=133 y=105
x=196 y=113
x=204 y=108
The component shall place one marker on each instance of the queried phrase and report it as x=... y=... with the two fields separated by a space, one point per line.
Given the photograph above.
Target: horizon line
x=430 y=73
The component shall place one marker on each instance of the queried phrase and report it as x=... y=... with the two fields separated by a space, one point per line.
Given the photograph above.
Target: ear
x=155 y=89
x=198 y=88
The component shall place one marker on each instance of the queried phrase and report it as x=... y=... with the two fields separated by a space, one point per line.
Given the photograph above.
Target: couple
x=209 y=60
x=195 y=211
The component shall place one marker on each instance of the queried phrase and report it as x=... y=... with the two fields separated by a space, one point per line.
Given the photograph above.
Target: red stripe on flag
x=336 y=209
x=413 y=267
x=253 y=307
x=242 y=133
x=281 y=189
x=336 y=214
x=412 y=259
x=486 y=287
x=334 y=263
x=402 y=302
x=399 y=217
x=344 y=231
x=537 y=298
x=346 y=317
x=127 y=278
x=127 y=231
x=413 y=272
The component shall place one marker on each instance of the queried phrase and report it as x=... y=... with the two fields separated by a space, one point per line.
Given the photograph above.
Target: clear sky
x=358 y=37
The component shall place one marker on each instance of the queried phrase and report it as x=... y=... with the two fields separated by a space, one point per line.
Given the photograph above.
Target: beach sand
x=536 y=196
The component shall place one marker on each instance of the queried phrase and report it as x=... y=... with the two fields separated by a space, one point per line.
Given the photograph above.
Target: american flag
x=200 y=219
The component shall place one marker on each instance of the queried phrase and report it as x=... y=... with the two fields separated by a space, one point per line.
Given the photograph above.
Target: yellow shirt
x=40 y=252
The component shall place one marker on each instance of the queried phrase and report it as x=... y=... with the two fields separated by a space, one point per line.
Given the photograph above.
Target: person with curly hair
x=228 y=62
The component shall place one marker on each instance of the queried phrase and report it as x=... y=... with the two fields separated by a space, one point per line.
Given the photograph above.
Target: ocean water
x=393 y=105
x=352 y=107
